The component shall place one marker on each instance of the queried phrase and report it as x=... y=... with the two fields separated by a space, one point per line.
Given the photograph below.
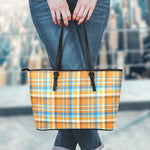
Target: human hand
x=60 y=7
x=82 y=8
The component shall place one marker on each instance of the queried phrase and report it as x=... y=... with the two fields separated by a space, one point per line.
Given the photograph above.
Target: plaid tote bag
x=74 y=99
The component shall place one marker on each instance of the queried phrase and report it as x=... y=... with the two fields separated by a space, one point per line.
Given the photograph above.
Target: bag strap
x=59 y=55
x=59 y=51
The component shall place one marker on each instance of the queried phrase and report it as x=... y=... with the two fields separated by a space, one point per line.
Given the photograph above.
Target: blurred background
x=125 y=44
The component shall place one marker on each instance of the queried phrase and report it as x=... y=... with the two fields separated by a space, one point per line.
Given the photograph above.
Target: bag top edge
x=27 y=69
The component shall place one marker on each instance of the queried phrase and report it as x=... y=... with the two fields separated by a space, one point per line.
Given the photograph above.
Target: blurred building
x=126 y=42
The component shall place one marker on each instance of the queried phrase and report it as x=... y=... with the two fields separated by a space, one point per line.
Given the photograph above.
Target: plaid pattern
x=74 y=105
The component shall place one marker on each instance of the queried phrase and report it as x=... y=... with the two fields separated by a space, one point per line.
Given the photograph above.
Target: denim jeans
x=87 y=139
x=73 y=57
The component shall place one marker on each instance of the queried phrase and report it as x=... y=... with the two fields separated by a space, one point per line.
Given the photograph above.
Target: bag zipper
x=27 y=69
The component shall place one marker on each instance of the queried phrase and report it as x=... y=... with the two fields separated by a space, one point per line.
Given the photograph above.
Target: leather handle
x=59 y=51
x=59 y=55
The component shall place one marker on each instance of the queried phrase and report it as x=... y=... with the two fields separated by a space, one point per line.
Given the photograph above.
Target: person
x=47 y=16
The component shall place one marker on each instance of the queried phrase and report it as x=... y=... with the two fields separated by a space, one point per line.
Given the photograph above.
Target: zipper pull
x=56 y=74
x=91 y=74
x=24 y=69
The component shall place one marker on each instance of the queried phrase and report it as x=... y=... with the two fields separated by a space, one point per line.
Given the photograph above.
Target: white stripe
x=68 y=121
x=83 y=95
x=78 y=117
x=103 y=126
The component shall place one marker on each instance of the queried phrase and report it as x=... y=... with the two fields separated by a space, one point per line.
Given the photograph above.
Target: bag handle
x=59 y=54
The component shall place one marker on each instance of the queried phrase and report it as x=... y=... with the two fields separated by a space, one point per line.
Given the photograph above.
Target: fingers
x=58 y=17
x=81 y=19
x=76 y=10
x=80 y=13
x=68 y=13
x=83 y=9
x=89 y=14
x=65 y=17
x=61 y=8
x=53 y=16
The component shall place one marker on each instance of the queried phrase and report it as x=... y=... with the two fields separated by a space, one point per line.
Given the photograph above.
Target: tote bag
x=74 y=99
